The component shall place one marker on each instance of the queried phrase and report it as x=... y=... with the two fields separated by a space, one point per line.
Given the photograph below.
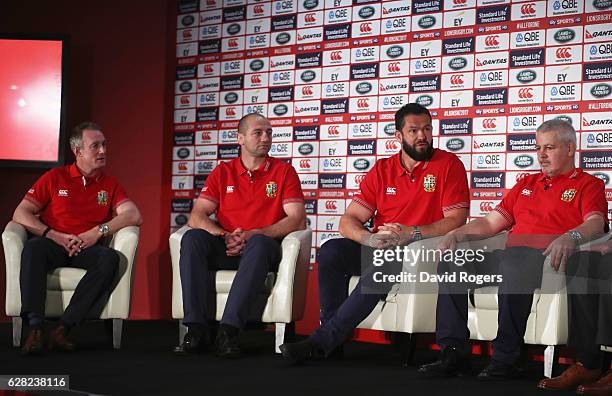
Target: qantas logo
x=605 y=33
x=586 y=123
x=487 y=62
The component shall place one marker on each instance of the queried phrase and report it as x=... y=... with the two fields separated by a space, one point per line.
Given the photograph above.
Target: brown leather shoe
x=576 y=375
x=603 y=387
x=58 y=340
x=34 y=343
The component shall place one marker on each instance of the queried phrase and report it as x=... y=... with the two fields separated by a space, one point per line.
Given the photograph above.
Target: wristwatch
x=103 y=229
x=575 y=235
x=416 y=233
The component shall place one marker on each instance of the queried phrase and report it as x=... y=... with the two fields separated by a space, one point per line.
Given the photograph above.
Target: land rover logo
x=231 y=97
x=602 y=4
x=363 y=88
x=523 y=161
x=280 y=109
x=395 y=51
x=361 y=164
x=233 y=29
x=424 y=100
x=256 y=64
x=602 y=176
x=565 y=118
x=526 y=76
x=311 y=4
x=389 y=129
x=181 y=220
x=183 y=153
x=455 y=144
x=601 y=90
x=185 y=86
x=564 y=35
x=457 y=63
x=283 y=38
x=188 y=20
x=426 y=22
x=307 y=76
x=306 y=149
x=366 y=12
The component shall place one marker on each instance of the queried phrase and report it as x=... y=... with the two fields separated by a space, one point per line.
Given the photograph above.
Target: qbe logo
x=281 y=7
x=525 y=123
x=492 y=78
x=338 y=15
x=330 y=206
x=362 y=130
x=395 y=25
x=281 y=150
x=527 y=39
x=332 y=164
x=564 y=7
x=597 y=52
x=563 y=92
x=596 y=140
x=258 y=41
x=489 y=162
x=425 y=66
x=365 y=54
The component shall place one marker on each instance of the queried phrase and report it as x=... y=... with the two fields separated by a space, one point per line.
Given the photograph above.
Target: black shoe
x=226 y=343
x=34 y=343
x=298 y=352
x=499 y=371
x=196 y=340
x=337 y=353
x=451 y=364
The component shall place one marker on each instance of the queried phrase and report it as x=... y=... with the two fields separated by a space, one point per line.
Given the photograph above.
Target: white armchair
x=548 y=320
x=410 y=310
x=62 y=282
x=284 y=297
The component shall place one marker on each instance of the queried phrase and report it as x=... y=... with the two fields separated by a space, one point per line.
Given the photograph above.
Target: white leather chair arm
x=175 y=252
x=13 y=239
x=125 y=242
x=288 y=295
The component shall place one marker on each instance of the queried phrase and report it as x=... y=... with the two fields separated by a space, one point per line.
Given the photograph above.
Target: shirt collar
x=263 y=167
x=75 y=172
x=403 y=171
x=572 y=174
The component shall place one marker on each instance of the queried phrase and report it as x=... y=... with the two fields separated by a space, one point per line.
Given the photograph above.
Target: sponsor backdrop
x=331 y=73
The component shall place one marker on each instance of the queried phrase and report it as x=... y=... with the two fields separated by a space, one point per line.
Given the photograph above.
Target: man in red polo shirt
x=549 y=214
x=69 y=210
x=257 y=200
x=418 y=193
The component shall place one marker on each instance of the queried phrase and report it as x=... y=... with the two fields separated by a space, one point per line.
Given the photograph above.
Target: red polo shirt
x=252 y=200
x=417 y=198
x=540 y=208
x=73 y=203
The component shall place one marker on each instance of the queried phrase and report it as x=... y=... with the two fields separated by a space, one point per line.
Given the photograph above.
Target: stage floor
x=147 y=365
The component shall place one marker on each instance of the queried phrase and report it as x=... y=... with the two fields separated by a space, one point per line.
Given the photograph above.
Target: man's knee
x=196 y=238
x=108 y=262
x=330 y=254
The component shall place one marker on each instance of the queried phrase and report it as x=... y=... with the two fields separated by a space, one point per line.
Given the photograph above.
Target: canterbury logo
x=333 y=130
x=208 y=69
x=528 y=9
x=521 y=176
x=393 y=67
x=305 y=164
x=232 y=43
x=185 y=100
x=230 y=111
x=307 y=90
x=330 y=205
x=564 y=53
x=365 y=27
x=363 y=103
x=486 y=206
x=459 y=2
x=310 y=18
x=391 y=145
x=492 y=41
x=456 y=79
x=525 y=93
x=336 y=56
x=489 y=123
x=258 y=9
x=256 y=79
x=359 y=178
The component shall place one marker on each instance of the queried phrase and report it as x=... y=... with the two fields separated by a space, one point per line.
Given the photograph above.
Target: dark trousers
x=589 y=287
x=202 y=253
x=41 y=255
x=339 y=259
x=521 y=268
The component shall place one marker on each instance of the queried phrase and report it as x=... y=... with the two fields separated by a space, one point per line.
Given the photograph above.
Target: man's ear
x=398 y=135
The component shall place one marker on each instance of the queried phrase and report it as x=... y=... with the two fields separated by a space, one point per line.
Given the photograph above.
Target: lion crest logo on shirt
x=568 y=195
x=271 y=189
x=429 y=183
x=102 y=198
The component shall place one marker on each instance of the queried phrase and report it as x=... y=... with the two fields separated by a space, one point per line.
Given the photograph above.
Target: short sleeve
x=119 y=196
x=456 y=194
x=593 y=200
x=211 y=189
x=40 y=193
x=506 y=206
x=292 y=188
x=367 y=195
